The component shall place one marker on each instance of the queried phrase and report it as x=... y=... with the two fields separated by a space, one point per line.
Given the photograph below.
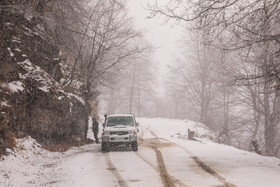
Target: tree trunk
x=111 y=103
x=226 y=115
x=132 y=89
x=271 y=114
x=139 y=99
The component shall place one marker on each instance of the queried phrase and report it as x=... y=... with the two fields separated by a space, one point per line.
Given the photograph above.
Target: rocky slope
x=32 y=102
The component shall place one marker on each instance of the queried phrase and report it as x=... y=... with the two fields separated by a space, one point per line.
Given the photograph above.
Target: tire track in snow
x=141 y=139
x=199 y=162
x=211 y=172
x=164 y=175
x=205 y=167
x=114 y=171
x=167 y=180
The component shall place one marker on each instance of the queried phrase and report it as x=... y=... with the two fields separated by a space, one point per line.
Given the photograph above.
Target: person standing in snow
x=105 y=116
x=95 y=129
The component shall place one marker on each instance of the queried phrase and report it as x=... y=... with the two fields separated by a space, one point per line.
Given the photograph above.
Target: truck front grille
x=119 y=133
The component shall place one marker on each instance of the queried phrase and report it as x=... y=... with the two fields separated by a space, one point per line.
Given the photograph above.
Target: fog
x=220 y=68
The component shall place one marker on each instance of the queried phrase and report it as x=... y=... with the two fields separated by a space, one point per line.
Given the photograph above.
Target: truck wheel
x=108 y=147
x=105 y=147
x=135 y=147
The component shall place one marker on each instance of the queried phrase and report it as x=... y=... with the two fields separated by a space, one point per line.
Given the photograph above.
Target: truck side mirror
x=137 y=124
x=103 y=125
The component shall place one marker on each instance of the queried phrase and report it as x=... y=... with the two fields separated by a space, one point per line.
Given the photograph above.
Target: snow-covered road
x=159 y=162
x=164 y=158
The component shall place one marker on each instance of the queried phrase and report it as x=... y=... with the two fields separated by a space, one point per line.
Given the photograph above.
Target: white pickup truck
x=120 y=129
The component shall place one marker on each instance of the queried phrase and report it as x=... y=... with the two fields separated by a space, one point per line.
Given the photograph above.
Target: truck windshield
x=120 y=120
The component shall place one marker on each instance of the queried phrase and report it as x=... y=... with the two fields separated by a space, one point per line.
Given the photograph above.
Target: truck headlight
x=132 y=132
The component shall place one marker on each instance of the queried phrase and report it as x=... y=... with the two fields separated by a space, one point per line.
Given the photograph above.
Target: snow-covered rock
x=32 y=102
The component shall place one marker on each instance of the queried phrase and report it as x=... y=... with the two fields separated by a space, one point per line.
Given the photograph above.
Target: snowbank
x=29 y=165
x=165 y=127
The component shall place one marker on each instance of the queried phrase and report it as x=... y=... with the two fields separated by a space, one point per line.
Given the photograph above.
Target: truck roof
x=114 y=115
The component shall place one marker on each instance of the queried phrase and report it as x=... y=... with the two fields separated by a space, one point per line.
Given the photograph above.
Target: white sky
x=161 y=35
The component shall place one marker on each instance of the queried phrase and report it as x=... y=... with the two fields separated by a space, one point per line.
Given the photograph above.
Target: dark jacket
x=94 y=126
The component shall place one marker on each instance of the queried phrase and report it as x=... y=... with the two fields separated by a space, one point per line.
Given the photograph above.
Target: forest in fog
x=228 y=75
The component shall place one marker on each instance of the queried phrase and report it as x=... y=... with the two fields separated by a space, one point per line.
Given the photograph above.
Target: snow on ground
x=85 y=166
x=30 y=165
x=176 y=128
x=239 y=167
